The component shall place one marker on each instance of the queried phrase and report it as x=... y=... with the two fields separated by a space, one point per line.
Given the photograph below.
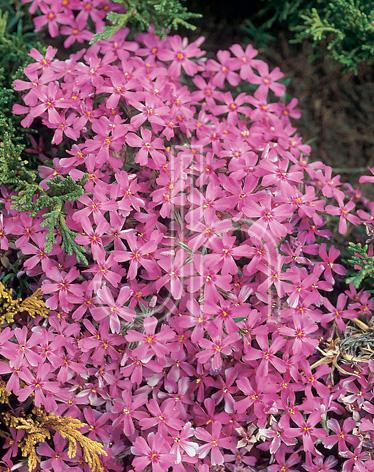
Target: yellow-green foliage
x=38 y=428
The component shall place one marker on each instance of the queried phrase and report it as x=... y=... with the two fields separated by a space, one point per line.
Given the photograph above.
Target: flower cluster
x=209 y=326
x=75 y=19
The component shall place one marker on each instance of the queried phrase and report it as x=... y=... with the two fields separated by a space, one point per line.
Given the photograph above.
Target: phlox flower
x=329 y=263
x=182 y=443
x=60 y=288
x=267 y=80
x=158 y=343
x=176 y=269
x=55 y=458
x=153 y=452
x=106 y=306
x=160 y=416
x=76 y=32
x=214 y=442
x=244 y=59
x=52 y=17
x=344 y=213
x=267 y=217
x=267 y=354
x=40 y=386
x=180 y=55
x=127 y=408
x=148 y=147
x=341 y=436
x=339 y=313
x=217 y=347
x=319 y=464
x=138 y=255
x=357 y=460
x=223 y=69
x=301 y=342
x=70 y=126
x=368 y=178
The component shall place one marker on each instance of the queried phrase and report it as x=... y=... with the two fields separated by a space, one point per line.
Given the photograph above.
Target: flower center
x=153 y=456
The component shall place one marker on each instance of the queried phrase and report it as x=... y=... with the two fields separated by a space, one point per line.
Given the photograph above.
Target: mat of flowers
x=205 y=332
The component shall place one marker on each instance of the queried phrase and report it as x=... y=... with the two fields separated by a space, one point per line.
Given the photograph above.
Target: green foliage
x=14 y=170
x=18 y=172
x=347 y=26
x=34 y=198
x=163 y=15
x=16 y=39
x=17 y=175
x=361 y=265
x=344 y=27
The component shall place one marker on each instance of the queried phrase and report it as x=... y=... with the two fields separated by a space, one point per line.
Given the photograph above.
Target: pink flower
x=70 y=126
x=57 y=457
x=181 y=443
x=112 y=309
x=338 y=313
x=208 y=280
x=244 y=59
x=367 y=178
x=43 y=62
x=343 y=211
x=40 y=386
x=267 y=354
x=357 y=460
x=4 y=245
x=23 y=351
x=105 y=268
x=215 y=348
x=180 y=54
x=215 y=441
x=160 y=417
x=301 y=342
x=138 y=255
x=49 y=98
x=223 y=69
x=119 y=89
x=329 y=262
x=232 y=106
x=267 y=80
x=268 y=217
x=152 y=452
x=208 y=297
x=319 y=464
x=76 y=32
x=152 y=110
x=176 y=270
x=109 y=137
x=60 y=285
x=127 y=408
x=148 y=147
x=52 y=17
x=341 y=436
x=308 y=431
x=93 y=237
x=158 y=343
